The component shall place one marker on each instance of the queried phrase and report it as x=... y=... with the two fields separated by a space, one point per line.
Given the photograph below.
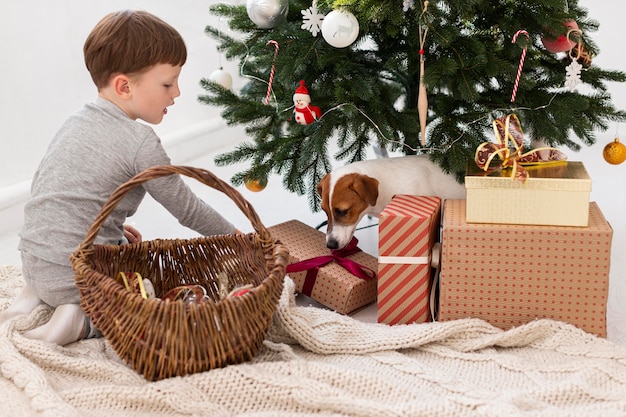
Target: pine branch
x=368 y=92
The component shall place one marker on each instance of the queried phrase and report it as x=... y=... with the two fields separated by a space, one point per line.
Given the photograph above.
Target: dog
x=364 y=188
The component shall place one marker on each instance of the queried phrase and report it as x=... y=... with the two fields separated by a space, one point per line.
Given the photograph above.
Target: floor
x=274 y=205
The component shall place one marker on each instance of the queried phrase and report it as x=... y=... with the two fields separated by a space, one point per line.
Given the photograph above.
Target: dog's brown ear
x=367 y=188
x=323 y=184
x=323 y=189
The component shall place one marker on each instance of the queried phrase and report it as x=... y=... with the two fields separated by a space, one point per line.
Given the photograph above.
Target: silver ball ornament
x=267 y=14
x=222 y=77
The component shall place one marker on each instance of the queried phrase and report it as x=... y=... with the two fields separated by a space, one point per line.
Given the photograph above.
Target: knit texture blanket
x=316 y=362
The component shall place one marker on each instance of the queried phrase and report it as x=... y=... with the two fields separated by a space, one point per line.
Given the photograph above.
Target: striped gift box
x=408 y=229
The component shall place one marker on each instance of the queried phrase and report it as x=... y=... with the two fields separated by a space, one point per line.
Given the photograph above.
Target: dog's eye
x=340 y=213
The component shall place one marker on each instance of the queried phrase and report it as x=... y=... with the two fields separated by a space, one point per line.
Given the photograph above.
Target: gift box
x=511 y=274
x=342 y=280
x=408 y=229
x=554 y=194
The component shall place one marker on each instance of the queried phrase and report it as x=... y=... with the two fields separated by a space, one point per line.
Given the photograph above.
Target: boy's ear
x=121 y=86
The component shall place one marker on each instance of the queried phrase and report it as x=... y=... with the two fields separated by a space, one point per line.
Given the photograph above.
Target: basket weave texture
x=162 y=338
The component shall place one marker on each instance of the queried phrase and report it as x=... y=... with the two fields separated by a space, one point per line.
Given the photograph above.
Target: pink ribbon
x=313 y=265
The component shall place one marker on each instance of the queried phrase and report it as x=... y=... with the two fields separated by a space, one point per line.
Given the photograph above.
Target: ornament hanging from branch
x=312 y=19
x=220 y=76
x=614 y=152
x=304 y=112
x=272 y=71
x=572 y=75
x=422 y=98
x=255 y=185
x=561 y=43
x=521 y=62
x=582 y=55
x=267 y=14
x=572 y=71
x=340 y=28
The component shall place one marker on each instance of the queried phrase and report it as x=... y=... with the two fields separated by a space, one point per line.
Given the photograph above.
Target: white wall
x=44 y=76
x=44 y=79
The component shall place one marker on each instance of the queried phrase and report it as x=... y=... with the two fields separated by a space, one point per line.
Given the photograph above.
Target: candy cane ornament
x=521 y=62
x=271 y=80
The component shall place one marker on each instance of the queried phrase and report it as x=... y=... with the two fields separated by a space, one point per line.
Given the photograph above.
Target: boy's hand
x=133 y=235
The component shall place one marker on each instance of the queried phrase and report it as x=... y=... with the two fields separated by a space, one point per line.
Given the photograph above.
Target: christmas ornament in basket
x=163 y=337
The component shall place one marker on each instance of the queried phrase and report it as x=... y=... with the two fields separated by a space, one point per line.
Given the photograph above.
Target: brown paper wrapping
x=511 y=274
x=335 y=287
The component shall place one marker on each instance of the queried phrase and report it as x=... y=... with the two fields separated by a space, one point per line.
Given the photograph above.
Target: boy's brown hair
x=131 y=42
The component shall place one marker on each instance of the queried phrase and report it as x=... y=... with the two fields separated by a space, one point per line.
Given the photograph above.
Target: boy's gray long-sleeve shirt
x=97 y=149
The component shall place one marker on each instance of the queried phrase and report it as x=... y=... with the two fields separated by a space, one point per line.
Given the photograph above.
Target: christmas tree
x=475 y=60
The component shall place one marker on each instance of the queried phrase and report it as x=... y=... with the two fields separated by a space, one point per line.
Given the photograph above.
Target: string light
x=422 y=149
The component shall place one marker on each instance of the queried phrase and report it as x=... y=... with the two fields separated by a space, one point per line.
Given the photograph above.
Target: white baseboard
x=182 y=145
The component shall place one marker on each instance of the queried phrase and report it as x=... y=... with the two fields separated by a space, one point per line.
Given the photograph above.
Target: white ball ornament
x=340 y=28
x=267 y=14
x=222 y=77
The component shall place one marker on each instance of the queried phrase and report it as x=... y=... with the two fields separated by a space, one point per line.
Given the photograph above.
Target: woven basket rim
x=102 y=294
x=85 y=260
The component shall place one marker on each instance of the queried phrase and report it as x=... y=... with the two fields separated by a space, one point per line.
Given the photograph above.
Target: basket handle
x=202 y=175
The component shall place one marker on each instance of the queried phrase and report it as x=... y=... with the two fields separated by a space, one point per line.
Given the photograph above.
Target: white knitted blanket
x=316 y=362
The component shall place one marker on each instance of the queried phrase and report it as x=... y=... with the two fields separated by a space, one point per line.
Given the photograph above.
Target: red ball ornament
x=561 y=43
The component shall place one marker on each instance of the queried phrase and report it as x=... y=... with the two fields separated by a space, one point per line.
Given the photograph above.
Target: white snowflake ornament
x=312 y=19
x=572 y=75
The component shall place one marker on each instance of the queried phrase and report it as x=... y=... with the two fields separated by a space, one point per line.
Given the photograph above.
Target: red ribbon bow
x=509 y=148
x=313 y=265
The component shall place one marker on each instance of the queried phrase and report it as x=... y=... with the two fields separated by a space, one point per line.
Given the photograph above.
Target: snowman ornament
x=304 y=112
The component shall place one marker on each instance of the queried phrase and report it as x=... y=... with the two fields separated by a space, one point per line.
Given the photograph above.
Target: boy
x=134 y=59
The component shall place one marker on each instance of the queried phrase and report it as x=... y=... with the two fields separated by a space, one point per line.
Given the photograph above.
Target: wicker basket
x=162 y=338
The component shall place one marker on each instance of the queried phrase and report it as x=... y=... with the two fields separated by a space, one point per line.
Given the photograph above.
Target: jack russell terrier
x=364 y=188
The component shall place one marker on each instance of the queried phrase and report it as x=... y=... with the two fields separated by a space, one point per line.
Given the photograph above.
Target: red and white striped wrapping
x=408 y=229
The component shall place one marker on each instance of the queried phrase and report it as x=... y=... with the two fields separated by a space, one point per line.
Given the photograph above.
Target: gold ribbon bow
x=133 y=283
x=509 y=150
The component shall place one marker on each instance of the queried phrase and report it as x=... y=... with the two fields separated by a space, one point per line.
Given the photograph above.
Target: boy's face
x=152 y=92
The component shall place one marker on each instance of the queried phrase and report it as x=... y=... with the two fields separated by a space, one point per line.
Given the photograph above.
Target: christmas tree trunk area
x=408 y=77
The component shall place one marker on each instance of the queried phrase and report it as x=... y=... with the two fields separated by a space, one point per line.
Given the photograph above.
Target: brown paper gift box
x=555 y=194
x=334 y=286
x=511 y=274
x=408 y=228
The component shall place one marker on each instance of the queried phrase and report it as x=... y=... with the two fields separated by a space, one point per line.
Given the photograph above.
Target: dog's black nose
x=332 y=244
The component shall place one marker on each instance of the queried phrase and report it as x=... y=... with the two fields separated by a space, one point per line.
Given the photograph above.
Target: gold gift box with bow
x=555 y=194
x=508 y=185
